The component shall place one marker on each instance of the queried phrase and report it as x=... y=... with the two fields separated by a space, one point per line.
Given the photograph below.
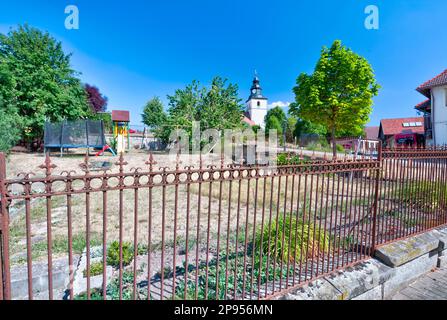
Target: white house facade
x=435 y=109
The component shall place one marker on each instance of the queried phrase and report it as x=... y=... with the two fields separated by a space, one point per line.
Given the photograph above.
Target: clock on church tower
x=257 y=103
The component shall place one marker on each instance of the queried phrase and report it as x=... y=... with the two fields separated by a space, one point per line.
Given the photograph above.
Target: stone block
x=373 y=294
x=360 y=278
x=400 y=252
x=409 y=272
x=319 y=289
x=442 y=234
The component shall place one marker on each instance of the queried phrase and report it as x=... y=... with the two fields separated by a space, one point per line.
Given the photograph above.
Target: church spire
x=256 y=90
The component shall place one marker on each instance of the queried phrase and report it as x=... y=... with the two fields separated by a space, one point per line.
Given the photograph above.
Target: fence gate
x=5 y=290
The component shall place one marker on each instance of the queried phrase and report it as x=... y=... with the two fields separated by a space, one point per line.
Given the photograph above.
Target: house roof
x=248 y=121
x=120 y=116
x=424 y=106
x=372 y=133
x=439 y=80
x=396 y=126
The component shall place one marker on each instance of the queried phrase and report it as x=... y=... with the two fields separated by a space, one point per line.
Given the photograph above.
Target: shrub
x=302 y=238
x=340 y=148
x=10 y=130
x=425 y=195
x=96 y=269
x=284 y=159
x=113 y=254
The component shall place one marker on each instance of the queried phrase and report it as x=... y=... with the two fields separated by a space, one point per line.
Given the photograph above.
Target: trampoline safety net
x=74 y=134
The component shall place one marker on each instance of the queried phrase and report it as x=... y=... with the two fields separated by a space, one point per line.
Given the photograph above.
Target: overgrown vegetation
x=113 y=254
x=231 y=277
x=289 y=239
x=96 y=269
x=424 y=195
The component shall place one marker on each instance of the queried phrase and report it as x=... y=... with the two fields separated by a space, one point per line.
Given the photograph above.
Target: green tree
x=43 y=85
x=153 y=114
x=273 y=123
x=290 y=129
x=305 y=127
x=10 y=129
x=278 y=113
x=220 y=107
x=217 y=107
x=339 y=94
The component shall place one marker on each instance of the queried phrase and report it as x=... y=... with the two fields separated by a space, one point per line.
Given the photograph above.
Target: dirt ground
x=180 y=216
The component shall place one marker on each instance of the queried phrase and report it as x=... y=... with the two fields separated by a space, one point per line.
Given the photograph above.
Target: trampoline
x=74 y=134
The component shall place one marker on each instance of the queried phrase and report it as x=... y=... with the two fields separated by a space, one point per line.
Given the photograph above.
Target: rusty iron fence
x=211 y=232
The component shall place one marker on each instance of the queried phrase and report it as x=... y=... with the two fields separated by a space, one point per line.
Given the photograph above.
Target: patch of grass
x=113 y=290
x=96 y=269
x=60 y=245
x=236 y=284
x=424 y=195
x=113 y=254
x=302 y=238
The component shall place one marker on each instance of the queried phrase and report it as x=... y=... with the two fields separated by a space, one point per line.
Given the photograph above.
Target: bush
x=260 y=273
x=96 y=269
x=302 y=238
x=113 y=254
x=340 y=148
x=10 y=130
x=284 y=159
x=425 y=195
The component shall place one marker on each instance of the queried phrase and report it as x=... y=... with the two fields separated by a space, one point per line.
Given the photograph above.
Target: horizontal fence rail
x=211 y=232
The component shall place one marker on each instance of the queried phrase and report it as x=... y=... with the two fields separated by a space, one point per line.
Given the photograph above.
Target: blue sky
x=136 y=49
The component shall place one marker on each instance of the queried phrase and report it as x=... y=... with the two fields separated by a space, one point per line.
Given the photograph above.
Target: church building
x=257 y=104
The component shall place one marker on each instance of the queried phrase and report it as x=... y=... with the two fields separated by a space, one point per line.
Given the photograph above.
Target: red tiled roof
x=396 y=126
x=439 y=80
x=120 y=116
x=423 y=106
x=372 y=133
x=248 y=121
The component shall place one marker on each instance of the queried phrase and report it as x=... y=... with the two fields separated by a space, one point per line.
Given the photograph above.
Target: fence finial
x=151 y=162
x=121 y=163
x=48 y=166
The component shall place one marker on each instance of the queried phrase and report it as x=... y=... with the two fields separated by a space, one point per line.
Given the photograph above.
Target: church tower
x=257 y=103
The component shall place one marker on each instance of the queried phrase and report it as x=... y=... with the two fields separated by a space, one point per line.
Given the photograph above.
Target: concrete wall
x=394 y=267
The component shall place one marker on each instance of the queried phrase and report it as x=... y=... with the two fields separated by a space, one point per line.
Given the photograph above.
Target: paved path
x=432 y=286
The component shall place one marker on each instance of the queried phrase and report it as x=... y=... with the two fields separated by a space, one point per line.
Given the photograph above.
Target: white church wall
x=440 y=114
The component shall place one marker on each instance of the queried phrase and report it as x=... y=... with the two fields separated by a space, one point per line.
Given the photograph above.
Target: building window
x=259 y=103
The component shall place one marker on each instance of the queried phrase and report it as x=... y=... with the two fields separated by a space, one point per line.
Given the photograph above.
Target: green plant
x=113 y=254
x=284 y=159
x=230 y=276
x=114 y=144
x=96 y=269
x=424 y=195
x=340 y=148
x=288 y=239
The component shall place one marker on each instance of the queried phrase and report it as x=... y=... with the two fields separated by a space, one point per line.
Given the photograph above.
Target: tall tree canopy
x=96 y=100
x=37 y=81
x=339 y=94
x=215 y=107
x=278 y=113
x=153 y=114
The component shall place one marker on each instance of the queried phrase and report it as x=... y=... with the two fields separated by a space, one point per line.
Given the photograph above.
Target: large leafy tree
x=154 y=116
x=339 y=94
x=96 y=100
x=215 y=107
x=278 y=113
x=42 y=84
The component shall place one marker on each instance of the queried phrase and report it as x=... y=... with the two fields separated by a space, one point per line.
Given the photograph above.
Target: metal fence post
x=5 y=279
x=376 y=199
